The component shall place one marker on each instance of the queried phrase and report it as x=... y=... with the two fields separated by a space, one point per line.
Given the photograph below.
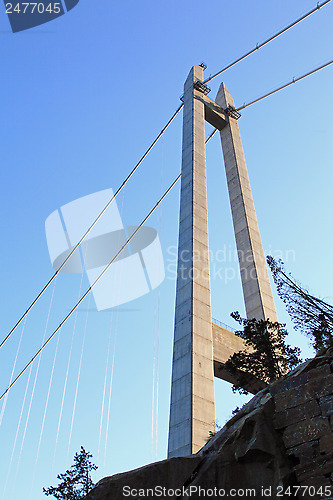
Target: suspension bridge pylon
x=201 y=347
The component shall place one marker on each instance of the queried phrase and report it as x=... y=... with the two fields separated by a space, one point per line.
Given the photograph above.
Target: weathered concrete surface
x=225 y=344
x=257 y=291
x=192 y=410
x=277 y=440
x=214 y=114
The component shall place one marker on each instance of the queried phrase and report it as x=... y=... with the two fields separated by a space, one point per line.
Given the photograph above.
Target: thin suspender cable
x=25 y=395
x=78 y=378
x=110 y=391
x=159 y=225
x=118 y=276
x=12 y=374
x=17 y=432
x=104 y=389
x=34 y=384
x=157 y=369
x=294 y=80
x=112 y=365
x=155 y=350
x=153 y=389
x=74 y=328
x=157 y=347
x=67 y=372
x=89 y=289
x=93 y=224
x=258 y=46
x=44 y=415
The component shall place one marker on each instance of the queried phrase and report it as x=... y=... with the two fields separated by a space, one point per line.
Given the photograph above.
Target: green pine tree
x=76 y=482
x=266 y=356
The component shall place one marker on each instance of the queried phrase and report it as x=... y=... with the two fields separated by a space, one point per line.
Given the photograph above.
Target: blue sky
x=82 y=97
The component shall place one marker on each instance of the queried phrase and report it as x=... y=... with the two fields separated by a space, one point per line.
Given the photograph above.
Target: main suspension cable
x=90 y=288
x=258 y=46
x=92 y=225
x=294 y=80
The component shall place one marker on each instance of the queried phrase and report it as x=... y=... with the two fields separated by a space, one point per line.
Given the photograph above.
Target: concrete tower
x=192 y=413
x=201 y=347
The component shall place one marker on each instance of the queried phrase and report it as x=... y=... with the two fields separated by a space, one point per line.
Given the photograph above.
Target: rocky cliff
x=279 y=445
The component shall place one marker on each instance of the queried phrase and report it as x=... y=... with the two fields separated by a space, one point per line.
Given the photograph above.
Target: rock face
x=169 y=473
x=283 y=438
x=304 y=415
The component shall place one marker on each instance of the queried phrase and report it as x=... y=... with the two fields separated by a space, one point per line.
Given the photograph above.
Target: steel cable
x=89 y=289
x=92 y=225
x=273 y=37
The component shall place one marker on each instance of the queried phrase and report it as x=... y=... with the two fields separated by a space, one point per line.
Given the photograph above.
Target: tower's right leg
x=258 y=297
